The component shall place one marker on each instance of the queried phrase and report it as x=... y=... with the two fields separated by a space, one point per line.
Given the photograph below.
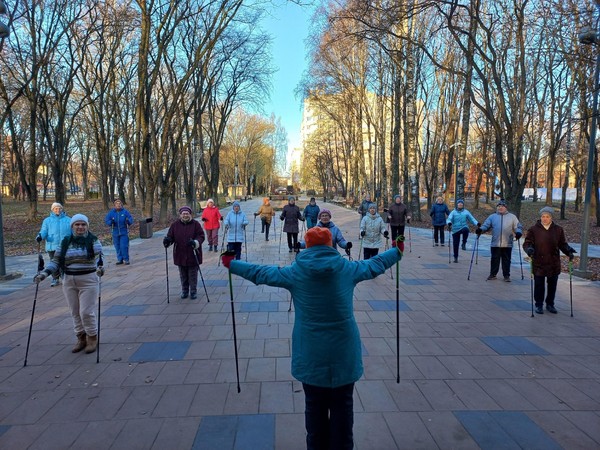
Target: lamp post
x=589 y=36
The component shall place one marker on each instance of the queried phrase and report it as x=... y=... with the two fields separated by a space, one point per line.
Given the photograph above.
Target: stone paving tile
x=445 y=365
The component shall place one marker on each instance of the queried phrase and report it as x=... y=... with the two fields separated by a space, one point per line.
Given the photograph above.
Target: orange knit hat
x=265 y=200
x=317 y=236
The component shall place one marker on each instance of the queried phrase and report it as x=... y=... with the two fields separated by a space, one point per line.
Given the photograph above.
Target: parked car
x=281 y=191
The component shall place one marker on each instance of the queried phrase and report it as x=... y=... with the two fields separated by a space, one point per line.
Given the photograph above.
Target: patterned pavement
x=476 y=370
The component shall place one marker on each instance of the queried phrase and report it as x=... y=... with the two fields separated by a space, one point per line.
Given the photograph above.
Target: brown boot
x=80 y=343
x=92 y=343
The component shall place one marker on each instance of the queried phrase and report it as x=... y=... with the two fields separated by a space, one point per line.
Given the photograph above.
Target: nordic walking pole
x=401 y=239
x=520 y=260
x=237 y=368
x=360 y=247
x=409 y=241
x=167 y=271
x=253 y=230
x=280 y=242
x=571 y=284
x=274 y=221
x=472 y=256
x=477 y=251
x=100 y=265
x=449 y=239
x=246 y=243
x=433 y=236
x=531 y=276
x=37 y=286
x=201 y=277
x=222 y=245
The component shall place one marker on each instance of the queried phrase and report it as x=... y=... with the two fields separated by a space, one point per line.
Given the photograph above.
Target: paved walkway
x=476 y=370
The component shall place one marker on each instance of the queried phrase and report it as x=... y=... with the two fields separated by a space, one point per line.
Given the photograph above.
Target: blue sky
x=289 y=29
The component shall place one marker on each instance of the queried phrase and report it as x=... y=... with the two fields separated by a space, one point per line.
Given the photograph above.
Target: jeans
x=538 y=290
x=329 y=417
x=121 y=243
x=235 y=247
x=504 y=254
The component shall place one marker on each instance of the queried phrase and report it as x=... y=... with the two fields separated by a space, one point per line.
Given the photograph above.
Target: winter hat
x=117 y=200
x=325 y=211
x=185 y=208
x=79 y=218
x=312 y=199
x=266 y=201
x=397 y=196
x=210 y=200
x=291 y=198
x=502 y=202
x=372 y=205
x=547 y=210
x=460 y=200
x=56 y=205
x=317 y=236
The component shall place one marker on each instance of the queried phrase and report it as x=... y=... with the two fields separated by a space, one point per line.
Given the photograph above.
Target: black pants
x=438 y=232
x=329 y=417
x=236 y=247
x=188 y=275
x=265 y=228
x=292 y=239
x=539 y=289
x=504 y=254
x=370 y=252
x=396 y=231
x=456 y=239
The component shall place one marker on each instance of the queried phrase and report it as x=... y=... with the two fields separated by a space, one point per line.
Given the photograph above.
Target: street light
x=589 y=36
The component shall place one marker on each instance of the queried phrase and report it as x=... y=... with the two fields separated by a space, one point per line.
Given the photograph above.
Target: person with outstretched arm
x=326 y=345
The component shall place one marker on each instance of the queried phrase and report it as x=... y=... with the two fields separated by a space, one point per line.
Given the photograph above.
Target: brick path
x=476 y=370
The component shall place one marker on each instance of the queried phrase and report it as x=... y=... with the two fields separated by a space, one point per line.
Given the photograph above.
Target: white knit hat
x=56 y=205
x=79 y=218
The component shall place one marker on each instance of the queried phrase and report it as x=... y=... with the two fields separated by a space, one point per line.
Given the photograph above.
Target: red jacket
x=180 y=234
x=212 y=216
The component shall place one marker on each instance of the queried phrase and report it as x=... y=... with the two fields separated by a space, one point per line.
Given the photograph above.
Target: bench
x=338 y=200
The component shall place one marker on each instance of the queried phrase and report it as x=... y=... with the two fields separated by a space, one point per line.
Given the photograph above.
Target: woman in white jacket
x=372 y=227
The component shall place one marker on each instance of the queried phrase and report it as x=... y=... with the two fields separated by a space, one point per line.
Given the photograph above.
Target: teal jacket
x=326 y=347
x=55 y=229
x=460 y=218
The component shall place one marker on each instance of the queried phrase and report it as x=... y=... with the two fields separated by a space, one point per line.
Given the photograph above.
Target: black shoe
x=193 y=296
x=539 y=310
x=551 y=309
x=437 y=245
x=291 y=250
x=491 y=277
x=216 y=250
x=442 y=244
x=184 y=295
x=119 y=262
x=507 y=279
x=464 y=246
x=455 y=260
x=210 y=249
x=126 y=263
x=266 y=239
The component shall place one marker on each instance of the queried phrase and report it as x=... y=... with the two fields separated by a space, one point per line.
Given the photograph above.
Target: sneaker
x=55 y=282
x=464 y=246
x=193 y=296
x=539 y=310
x=291 y=250
x=455 y=260
x=184 y=295
x=491 y=277
x=442 y=244
x=119 y=262
x=266 y=239
x=126 y=263
x=210 y=249
x=437 y=245
x=551 y=309
x=216 y=249
x=507 y=279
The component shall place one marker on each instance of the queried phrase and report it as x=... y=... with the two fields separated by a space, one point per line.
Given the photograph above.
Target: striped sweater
x=78 y=260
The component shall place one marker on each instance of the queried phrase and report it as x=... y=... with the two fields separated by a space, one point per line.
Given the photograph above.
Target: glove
x=348 y=250
x=518 y=235
x=408 y=220
x=167 y=241
x=221 y=219
x=530 y=251
x=478 y=231
x=243 y=226
x=399 y=243
x=478 y=225
x=204 y=219
x=227 y=257
x=386 y=234
x=193 y=243
x=348 y=245
x=41 y=276
x=362 y=233
x=38 y=238
x=571 y=254
x=385 y=210
x=100 y=271
x=281 y=217
x=255 y=214
x=302 y=219
x=449 y=227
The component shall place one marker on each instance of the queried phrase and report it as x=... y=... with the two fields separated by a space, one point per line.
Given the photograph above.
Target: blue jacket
x=235 y=224
x=54 y=229
x=326 y=347
x=119 y=221
x=503 y=227
x=438 y=214
x=336 y=234
x=373 y=226
x=311 y=214
x=460 y=218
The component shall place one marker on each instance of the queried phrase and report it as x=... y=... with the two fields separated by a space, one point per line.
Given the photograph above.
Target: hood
x=236 y=203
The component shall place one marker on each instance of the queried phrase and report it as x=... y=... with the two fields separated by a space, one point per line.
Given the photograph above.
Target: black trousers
x=456 y=239
x=539 y=289
x=504 y=254
x=292 y=239
x=236 y=247
x=329 y=417
x=396 y=231
x=370 y=252
x=188 y=275
x=438 y=233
